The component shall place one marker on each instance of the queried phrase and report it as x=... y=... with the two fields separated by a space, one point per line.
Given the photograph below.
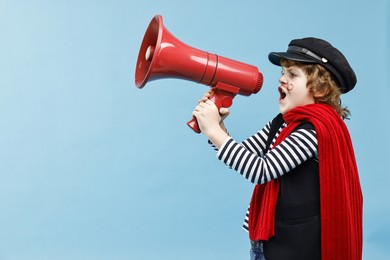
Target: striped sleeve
x=259 y=167
x=256 y=143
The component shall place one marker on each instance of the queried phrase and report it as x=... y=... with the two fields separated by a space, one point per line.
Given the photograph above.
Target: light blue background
x=93 y=168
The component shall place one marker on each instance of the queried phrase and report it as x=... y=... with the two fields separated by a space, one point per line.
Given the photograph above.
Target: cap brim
x=275 y=57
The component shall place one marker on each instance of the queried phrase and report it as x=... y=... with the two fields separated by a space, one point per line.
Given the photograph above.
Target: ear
x=321 y=92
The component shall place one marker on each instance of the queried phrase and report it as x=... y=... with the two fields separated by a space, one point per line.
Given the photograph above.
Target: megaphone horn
x=162 y=55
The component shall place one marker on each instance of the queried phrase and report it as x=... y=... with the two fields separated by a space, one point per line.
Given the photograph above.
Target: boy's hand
x=207 y=115
x=223 y=111
x=210 y=121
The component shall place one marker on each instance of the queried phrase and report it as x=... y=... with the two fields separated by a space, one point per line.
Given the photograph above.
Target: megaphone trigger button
x=226 y=102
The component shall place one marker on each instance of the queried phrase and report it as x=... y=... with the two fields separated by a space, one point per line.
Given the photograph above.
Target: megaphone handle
x=193 y=124
x=221 y=99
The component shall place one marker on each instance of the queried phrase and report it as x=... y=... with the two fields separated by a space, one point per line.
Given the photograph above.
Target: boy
x=307 y=202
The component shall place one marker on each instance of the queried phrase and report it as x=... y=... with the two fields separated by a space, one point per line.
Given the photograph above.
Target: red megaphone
x=162 y=55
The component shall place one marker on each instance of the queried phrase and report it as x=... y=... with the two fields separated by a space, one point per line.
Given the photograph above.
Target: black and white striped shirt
x=258 y=164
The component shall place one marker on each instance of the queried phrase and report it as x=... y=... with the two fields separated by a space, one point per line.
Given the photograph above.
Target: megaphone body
x=162 y=55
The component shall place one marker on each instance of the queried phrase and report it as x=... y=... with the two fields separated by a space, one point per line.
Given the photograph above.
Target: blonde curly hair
x=321 y=85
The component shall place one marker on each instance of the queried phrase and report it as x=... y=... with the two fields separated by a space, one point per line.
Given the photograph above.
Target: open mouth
x=282 y=93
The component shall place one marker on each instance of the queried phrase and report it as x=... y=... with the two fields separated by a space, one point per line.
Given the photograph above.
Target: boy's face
x=293 y=90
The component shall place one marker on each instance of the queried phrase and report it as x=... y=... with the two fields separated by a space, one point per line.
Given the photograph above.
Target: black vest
x=297 y=225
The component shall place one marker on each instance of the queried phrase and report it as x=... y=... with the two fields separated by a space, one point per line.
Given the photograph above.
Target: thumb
x=224 y=111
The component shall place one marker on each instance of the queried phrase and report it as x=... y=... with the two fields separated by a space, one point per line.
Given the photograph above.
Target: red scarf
x=341 y=200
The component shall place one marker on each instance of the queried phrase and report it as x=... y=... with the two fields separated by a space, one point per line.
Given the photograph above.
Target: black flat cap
x=318 y=51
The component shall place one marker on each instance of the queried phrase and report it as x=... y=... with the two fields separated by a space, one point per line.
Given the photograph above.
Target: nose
x=282 y=80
